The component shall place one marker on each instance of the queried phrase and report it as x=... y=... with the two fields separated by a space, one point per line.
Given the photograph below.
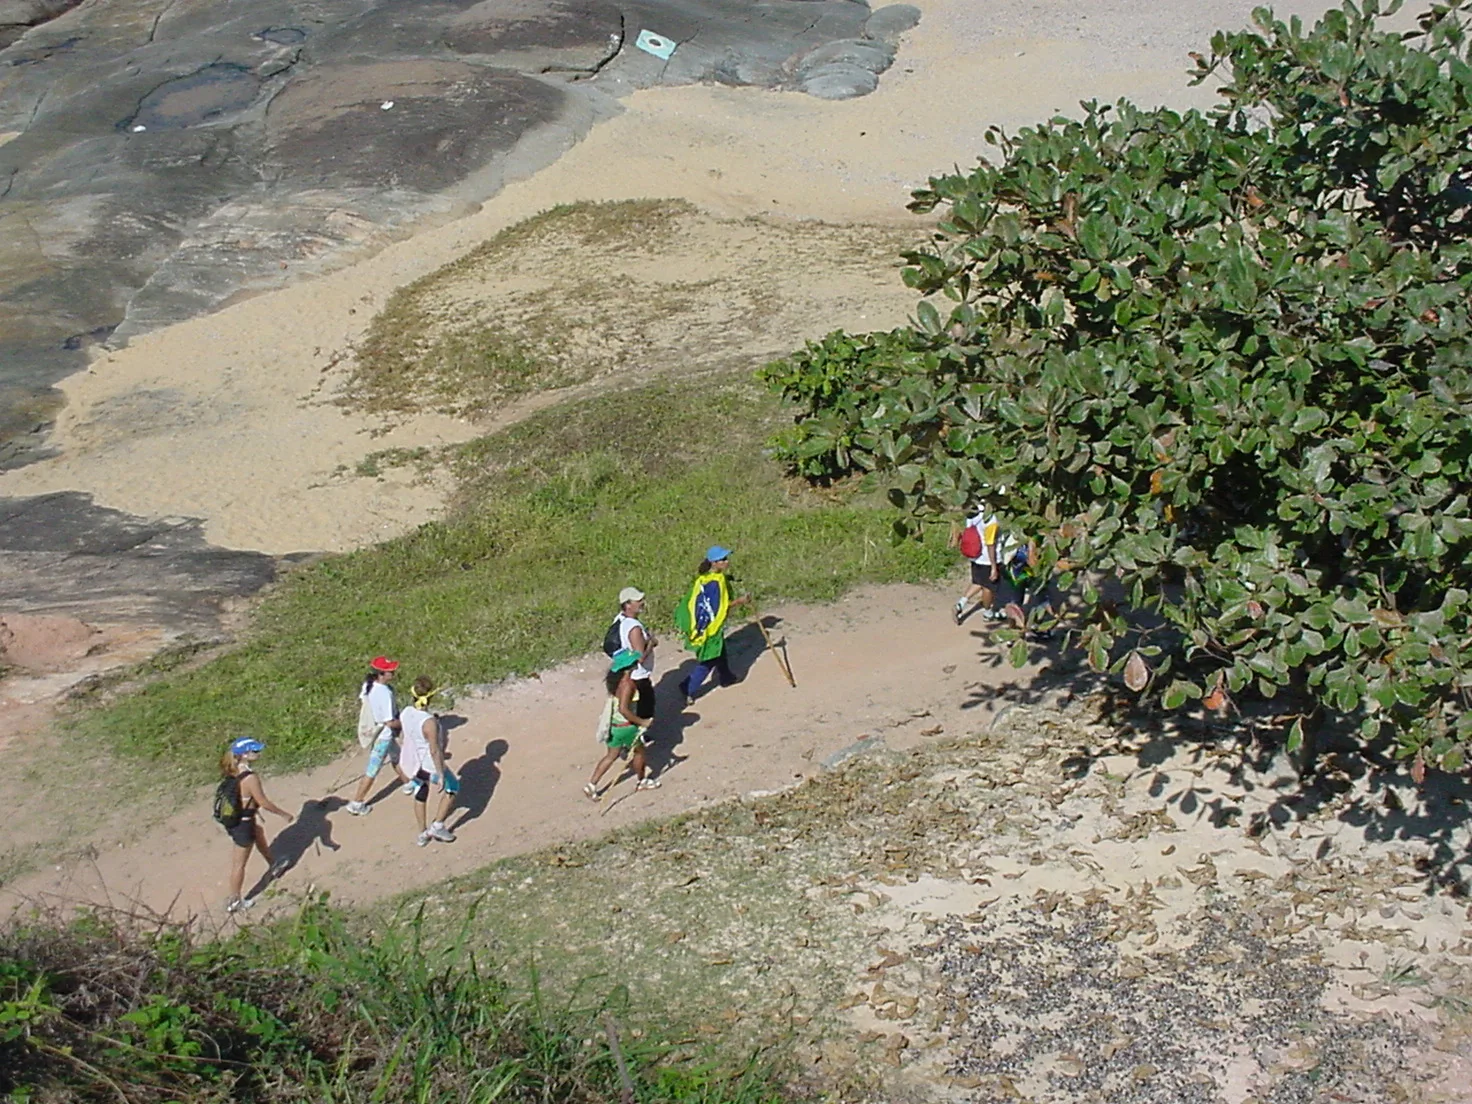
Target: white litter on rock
x=139 y=128
x=386 y=104
x=657 y=45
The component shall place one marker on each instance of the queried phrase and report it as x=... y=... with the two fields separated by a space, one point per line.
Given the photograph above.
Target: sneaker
x=411 y=788
x=238 y=904
x=359 y=808
x=441 y=833
x=993 y=615
x=590 y=791
x=647 y=784
x=958 y=611
x=423 y=839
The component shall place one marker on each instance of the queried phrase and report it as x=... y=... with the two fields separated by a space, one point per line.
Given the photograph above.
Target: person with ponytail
x=423 y=760
x=702 y=618
x=239 y=797
x=377 y=726
x=620 y=726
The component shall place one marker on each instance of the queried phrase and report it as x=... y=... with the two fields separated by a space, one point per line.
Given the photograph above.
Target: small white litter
x=386 y=104
x=139 y=129
x=657 y=45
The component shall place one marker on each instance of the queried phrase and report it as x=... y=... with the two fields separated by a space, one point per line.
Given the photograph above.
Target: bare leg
x=366 y=784
x=419 y=815
x=447 y=804
x=637 y=762
x=609 y=758
x=261 y=845
x=237 y=870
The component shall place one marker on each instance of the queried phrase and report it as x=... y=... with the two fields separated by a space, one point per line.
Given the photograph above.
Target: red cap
x=383 y=663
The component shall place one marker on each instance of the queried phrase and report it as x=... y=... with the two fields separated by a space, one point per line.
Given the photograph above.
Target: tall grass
x=556 y=516
x=312 y=1009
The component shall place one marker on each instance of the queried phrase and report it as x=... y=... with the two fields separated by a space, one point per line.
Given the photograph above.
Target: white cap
x=629 y=594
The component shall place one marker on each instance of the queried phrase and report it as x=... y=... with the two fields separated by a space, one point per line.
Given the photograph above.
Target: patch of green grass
x=314 y=1009
x=421 y=352
x=557 y=514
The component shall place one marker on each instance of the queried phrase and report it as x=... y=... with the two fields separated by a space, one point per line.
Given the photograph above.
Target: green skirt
x=624 y=736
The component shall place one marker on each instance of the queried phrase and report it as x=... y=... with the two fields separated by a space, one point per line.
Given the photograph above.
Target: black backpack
x=612 y=639
x=227 y=802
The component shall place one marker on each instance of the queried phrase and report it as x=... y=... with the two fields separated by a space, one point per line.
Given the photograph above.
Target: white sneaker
x=441 y=833
x=423 y=839
x=359 y=808
x=237 y=904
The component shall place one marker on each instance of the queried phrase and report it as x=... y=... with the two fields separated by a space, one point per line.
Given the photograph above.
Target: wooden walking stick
x=781 y=659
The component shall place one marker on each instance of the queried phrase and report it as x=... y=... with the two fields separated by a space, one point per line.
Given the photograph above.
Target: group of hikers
x=417 y=734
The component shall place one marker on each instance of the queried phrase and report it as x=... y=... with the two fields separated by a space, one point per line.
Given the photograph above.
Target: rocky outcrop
x=19 y=16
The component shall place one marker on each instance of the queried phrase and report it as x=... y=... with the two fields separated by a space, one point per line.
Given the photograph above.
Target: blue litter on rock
x=657 y=45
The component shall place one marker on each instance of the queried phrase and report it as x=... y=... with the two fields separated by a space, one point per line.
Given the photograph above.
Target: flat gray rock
x=889 y=22
x=866 y=54
x=839 y=81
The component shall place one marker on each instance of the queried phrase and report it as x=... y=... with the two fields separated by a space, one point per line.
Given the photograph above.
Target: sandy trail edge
x=885 y=662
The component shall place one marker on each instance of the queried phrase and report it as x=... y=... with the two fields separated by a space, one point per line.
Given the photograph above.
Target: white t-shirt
x=626 y=626
x=415 y=755
x=380 y=698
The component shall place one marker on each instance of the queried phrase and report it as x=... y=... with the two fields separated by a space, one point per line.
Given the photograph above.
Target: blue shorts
x=379 y=754
x=423 y=780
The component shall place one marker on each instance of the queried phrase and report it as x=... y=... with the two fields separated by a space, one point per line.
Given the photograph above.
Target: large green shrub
x=1221 y=356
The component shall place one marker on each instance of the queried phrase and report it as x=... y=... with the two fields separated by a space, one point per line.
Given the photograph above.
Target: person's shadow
x=671 y=718
x=478 y=780
x=310 y=827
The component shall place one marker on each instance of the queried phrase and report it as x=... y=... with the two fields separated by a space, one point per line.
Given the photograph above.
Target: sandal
x=590 y=791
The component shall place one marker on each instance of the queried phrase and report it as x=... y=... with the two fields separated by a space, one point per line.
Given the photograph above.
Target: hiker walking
x=377 y=726
x=633 y=636
x=239 y=797
x=978 y=542
x=423 y=761
x=620 y=728
x=702 y=618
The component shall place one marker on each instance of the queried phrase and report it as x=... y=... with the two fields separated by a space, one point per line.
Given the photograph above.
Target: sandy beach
x=233 y=418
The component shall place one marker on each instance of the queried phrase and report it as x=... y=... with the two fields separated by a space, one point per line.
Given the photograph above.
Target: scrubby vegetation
x=556 y=514
x=1223 y=357
x=308 y=1009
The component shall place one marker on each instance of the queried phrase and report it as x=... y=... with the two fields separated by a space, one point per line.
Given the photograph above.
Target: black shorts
x=981 y=574
x=244 y=832
x=644 y=699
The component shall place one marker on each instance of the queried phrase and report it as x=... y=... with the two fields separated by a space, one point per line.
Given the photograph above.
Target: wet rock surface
x=62 y=554
x=158 y=157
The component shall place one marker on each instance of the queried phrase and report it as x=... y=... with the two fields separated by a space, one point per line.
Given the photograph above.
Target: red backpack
x=971 y=542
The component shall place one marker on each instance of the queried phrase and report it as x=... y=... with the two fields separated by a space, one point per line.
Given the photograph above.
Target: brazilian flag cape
x=702 y=615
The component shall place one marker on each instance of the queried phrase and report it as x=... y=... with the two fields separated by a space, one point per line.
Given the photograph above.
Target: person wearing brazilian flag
x=702 y=618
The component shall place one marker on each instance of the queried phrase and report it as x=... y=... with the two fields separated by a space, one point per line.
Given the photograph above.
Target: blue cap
x=623 y=659
x=717 y=552
x=246 y=744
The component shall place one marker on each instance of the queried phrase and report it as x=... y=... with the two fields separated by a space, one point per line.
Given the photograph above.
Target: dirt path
x=885 y=663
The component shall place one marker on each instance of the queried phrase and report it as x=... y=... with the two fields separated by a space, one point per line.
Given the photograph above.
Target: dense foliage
x=1221 y=358
x=310 y=1010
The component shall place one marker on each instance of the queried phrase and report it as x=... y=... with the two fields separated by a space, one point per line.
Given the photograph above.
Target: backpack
x=971 y=542
x=612 y=640
x=368 y=726
x=227 y=802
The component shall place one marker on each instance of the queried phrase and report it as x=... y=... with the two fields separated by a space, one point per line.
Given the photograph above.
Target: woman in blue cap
x=237 y=800
x=620 y=728
x=702 y=618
